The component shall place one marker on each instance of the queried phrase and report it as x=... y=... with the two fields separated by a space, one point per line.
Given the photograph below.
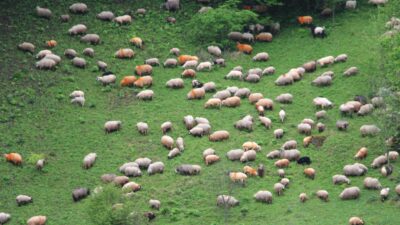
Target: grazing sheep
x=350 y=193
x=262 y=56
x=248 y=37
x=77 y=29
x=268 y=71
x=143 y=163
x=369 y=130
x=263 y=196
x=397 y=189
x=219 y=135
x=80 y=193
x=214 y=50
x=43 y=12
x=248 y=170
x=156 y=167
x=322 y=81
x=274 y=154
x=261 y=170
x=124 y=53
x=203 y=66
x=79 y=62
x=304 y=128
x=264 y=37
x=132 y=171
x=253 y=78
x=173 y=153
x=281 y=173
x=78 y=8
x=111 y=126
x=361 y=153
x=126 y=165
x=292 y=154
x=351 y=71
x=88 y=52
x=125 y=19
x=310 y=66
x=282 y=115
x=284 y=79
x=70 y=53
x=166 y=127
x=278 y=187
x=379 y=161
x=282 y=163
x=372 y=183
x=23 y=200
x=304 y=20
x=40 y=164
x=209 y=151
x=310 y=173
x=210 y=159
x=154 y=204
x=305 y=160
x=322 y=102
x=231 y=101
x=285 y=98
x=180 y=144
x=386 y=170
x=238 y=177
x=171 y=5
x=235 y=36
x=393 y=155
x=351 y=4
x=189 y=122
x=328 y=60
x=377 y=102
x=152 y=62
x=175 y=83
x=108 y=178
x=318 y=31
x=190 y=64
x=248 y=156
x=196 y=93
x=91 y=38
x=209 y=87
x=303 y=197
x=186 y=169
x=143 y=81
x=244 y=124
x=4 y=217
x=355 y=220
x=341 y=57
x=26 y=46
x=45 y=63
x=278 y=133
x=37 y=220
x=340 y=179
x=323 y=195
x=89 y=160
x=292 y=144
x=141 y=11
x=213 y=103
x=242 y=92
x=53 y=57
x=188 y=73
x=227 y=201
x=356 y=169
x=254 y=97
x=197 y=84
x=128 y=81
x=106 y=80
x=64 y=18
x=245 y=48
x=321 y=127
x=377 y=2
x=235 y=154
x=284 y=181
x=106 y=15
x=131 y=187
x=43 y=53
x=342 y=125
x=384 y=193
x=170 y=19
x=120 y=180
x=251 y=145
x=143 y=70
x=167 y=142
x=170 y=63
x=365 y=109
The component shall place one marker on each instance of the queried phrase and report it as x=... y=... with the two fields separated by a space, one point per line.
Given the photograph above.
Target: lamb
x=243 y=92
x=365 y=109
x=45 y=63
x=231 y=101
x=204 y=65
x=80 y=193
x=303 y=197
x=328 y=60
x=143 y=163
x=355 y=220
x=227 y=201
x=40 y=164
x=234 y=154
x=37 y=220
x=340 y=179
x=106 y=80
x=322 y=81
x=362 y=153
x=106 y=15
x=356 y=169
x=170 y=63
x=304 y=128
x=111 y=126
x=173 y=153
x=175 y=83
x=88 y=52
x=27 y=47
x=263 y=196
x=23 y=200
x=278 y=133
x=248 y=156
x=213 y=103
x=4 y=217
x=310 y=173
x=77 y=29
x=124 y=53
x=210 y=159
x=125 y=19
x=64 y=18
x=342 y=125
x=167 y=141
x=323 y=195
x=79 y=62
x=350 y=193
x=351 y=71
x=186 y=169
x=156 y=167
x=372 y=183
x=154 y=204
x=369 y=130
x=384 y=193
x=262 y=56
x=281 y=173
x=93 y=39
x=70 y=53
x=278 y=187
x=379 y=161
x=214 y=50
x=89 y=160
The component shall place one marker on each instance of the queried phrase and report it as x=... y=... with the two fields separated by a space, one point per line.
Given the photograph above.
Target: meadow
x=37 y=119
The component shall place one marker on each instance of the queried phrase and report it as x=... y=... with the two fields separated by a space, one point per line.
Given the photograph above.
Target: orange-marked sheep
x=196 y=93
x=51 y=43
x=238 y=177
x=124 y=53
x=250 y=171
x=184 y=58
x=128 y=81
x=362 y=153
x=282 y=163
x=14 y=158
x=143 y=70
x=143 y=81
x=309 y=172
x=245 y=48
x=304 y=20
x=137 y=41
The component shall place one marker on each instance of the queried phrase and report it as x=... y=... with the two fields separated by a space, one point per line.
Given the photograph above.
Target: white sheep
x=89 y=160
x=214 y=50
x=77 y=29
x=143 y=128
x=262 y=56
x=145 y=95
x=45 y=63
x=43 y=12
x=326 y=61
x=78 y=100
x=351 y=4
x=107 y=79
x=78 y=8
x=204 y=65
x=106 y=15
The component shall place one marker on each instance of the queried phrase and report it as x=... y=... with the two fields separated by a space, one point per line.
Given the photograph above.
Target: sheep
x=355 y=220
x=23 y=200
x=379 y=161
x=173 y=153
x=45 y=63
x=278 y=187
x=328 y=60
x=4 y=217
x=141 y=11
x=126 y=165
x=350 y=193
x=372 y=183
x=248 y=37
x=144 y=69
x=175 y=83
x=262 y=56
x=291 y=144
x=89 y=160
x=234 y=154
x=284 y=181
x=186 y=169
x=361 y=153
x=91 y=38
x=305 y=160
x=248 y=156
x=154 y=204
x=251 y=145
x=70 y=53
x=132 y=171
x=111 y=126
x=79 y=62
x=274 y=154
x=156 y=167
x=350 y=71
x=340 y=179
x=197 y=131
x=105 y=15
x=209 y=87
x=78 y=8
x=188 y=73
x=40 y=164
x=171 y=5
x=43 y=12
x=166 y=126
x=222 y=94
x=210 y=159
x=264 y=37
x=43 y=53
x=209 y=151
x=341 y=57
x=152 y=62
x=322 y=81
x=310 y=66
x=263 y=196
x=342 y=125
x=190 y=64
x=254 y=97
x=282 y=163
x=397 y=189
x=227 y=201
x=384 y=193
x=284 y=79
x=143 y=163
x=253 y=78
x=284 y=98
x=303 y=197
x=204 y=65
x=170 y=19
x=250 y=171
x=124 y=53
x=365 y=109
x=189 y=121
x=88 y=52
x=356 y=169
x=27 y=47
x=167 y=141
x=131 y=187
x=120 y=180
x=220 y=62
x=278 y=133
x=281 y=173
x=125 y=19
x=231 y=101
x=106 y=80
x=322 y=102
x=196 y=93
x=304 y=20
x=170 y=63
x=292 y=154
x=244 y=124
x=304 y=128
x=242 y=92
x=245 y=48
x=64 y=18
x=128 y=81
x=266 y=103
x=235 y=36
x=323 y=195
x=318 y=31
x=197 y=84
x=80 y=193
x=219 y=135
x=53 y=57
x=108 y=178
x=143 y=81
x=214 y=50
x=37 y=220
x=386 y=170
x=369 y=130
x=77 y=29
x=377 y=102
x=393 y=155
x=310 y=173
x=213 y=103
x=377 y=2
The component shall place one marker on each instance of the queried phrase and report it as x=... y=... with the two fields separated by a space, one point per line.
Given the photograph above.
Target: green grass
x=37 y=118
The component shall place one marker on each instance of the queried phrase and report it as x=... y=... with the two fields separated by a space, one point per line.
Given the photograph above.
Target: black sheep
x=305 y=160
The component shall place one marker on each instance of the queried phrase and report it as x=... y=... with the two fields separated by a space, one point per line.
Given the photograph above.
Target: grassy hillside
x=37 y=119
